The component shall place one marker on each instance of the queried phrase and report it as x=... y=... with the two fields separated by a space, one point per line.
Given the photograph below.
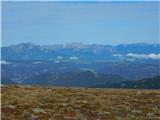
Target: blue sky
x=86 y=22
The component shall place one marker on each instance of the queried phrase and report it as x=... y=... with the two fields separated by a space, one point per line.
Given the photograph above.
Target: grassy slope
x=42 y=103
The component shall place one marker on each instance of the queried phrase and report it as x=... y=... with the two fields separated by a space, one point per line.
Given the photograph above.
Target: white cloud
x=59 y=57
x=117 y=55
x=143 y=56
x=57 y=61
x=37 y=62
x=4 y=62
x=73 y=58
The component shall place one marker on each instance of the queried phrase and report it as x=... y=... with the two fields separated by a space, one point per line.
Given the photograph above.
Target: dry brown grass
x=44 y=103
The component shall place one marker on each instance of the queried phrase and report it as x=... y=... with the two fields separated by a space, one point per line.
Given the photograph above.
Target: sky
x=86 y=22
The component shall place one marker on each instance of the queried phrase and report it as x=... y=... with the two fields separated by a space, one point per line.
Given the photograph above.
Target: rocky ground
x=44 y=103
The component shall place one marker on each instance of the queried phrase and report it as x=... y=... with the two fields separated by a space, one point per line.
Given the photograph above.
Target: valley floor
x=44 y=103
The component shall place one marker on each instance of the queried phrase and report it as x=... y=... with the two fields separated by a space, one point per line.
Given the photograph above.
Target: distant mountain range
x=81 y=52
x=147 y=83
x=87 y=79
x=21 y=70
x=80 y=65
x=73 y=79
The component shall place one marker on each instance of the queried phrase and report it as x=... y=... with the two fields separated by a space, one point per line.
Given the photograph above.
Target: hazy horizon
x=33 y=43
x=108 y=23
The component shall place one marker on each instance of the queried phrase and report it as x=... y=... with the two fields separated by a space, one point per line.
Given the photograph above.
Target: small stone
x=9 y=106
x=136 y=111
x=38 y=110
x=34 y=117
x=104 y=113
x=65 y=104
x=138 y=93
x=85 y=102
x=149 y=115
